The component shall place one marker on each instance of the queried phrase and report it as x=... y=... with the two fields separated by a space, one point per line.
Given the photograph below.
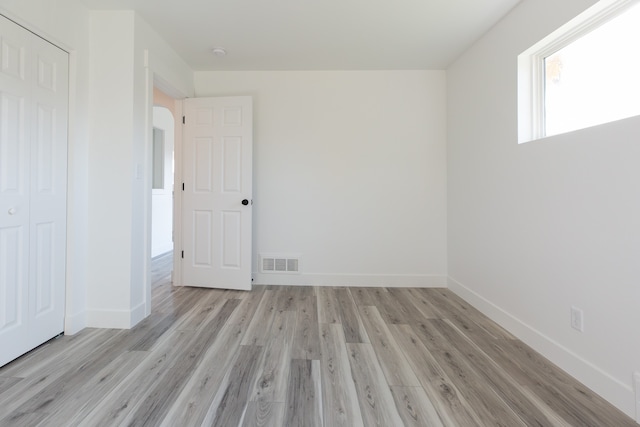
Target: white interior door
x=33 y=165
x=216 y=199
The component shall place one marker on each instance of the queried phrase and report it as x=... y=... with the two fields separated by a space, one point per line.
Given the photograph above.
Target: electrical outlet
x=577 y=319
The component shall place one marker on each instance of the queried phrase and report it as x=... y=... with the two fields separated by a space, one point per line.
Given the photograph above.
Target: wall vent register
x=280 y=264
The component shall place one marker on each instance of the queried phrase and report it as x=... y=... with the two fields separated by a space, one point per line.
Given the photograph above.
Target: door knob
x=12 y=211
x=245 y=202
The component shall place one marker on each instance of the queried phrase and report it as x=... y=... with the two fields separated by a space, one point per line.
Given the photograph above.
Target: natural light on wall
x=585 y=74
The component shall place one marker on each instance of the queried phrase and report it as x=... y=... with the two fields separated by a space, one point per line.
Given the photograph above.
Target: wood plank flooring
x=297 y=356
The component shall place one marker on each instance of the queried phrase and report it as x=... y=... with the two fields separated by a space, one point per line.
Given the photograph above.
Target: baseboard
x=636 y=381
x=75 y=323
x=138 y=313
x=115 y=319
x=158 y=252
x=614 y=391
x=353 y=280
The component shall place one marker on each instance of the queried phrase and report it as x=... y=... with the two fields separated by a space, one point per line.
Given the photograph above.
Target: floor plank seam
x=290 y=356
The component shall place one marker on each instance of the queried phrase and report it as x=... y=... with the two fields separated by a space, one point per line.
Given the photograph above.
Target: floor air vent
x=280 y=264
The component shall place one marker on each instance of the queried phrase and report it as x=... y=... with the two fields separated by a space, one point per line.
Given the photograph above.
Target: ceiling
x=317 y=34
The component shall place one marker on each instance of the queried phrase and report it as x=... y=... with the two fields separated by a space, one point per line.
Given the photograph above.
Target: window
x=157 y=166
x=582 y=75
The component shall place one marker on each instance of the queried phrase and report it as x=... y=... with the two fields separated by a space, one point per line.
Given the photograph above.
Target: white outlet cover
x=577 y=319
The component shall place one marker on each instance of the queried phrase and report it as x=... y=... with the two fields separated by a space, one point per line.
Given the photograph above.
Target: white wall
x=115 y=56
x=112 y=169
x=123 y=65
x=349 y=173
x=99 y=256
x=539 y=227
x=66 y=23
x=162 y=199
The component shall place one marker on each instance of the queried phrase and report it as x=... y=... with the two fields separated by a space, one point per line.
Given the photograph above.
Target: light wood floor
x=297 y=356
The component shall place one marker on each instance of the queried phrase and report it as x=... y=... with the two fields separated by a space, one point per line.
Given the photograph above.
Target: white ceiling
x=317 y=34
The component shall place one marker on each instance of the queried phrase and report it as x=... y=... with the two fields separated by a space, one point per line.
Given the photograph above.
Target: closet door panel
x=15 y=184
x=33 y=182
x=48 y=190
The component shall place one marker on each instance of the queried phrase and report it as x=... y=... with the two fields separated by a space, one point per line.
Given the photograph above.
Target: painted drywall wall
x=162 y=198
x=349 y=173
x=120 y=181
x=162 y=99
x=536 y=228
x=115 y=57
x=66 y=24
x=112 y=169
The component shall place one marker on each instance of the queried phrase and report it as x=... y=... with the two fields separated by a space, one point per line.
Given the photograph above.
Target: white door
x=33 y=165
x=216 y=215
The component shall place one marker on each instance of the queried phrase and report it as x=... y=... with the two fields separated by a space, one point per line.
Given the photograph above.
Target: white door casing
x=216 y=200
x=33 y=183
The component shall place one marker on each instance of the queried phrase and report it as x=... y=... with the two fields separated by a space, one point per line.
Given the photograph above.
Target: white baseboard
x=138 y=313
x=115 y=319
x=162 y=250
x=636 y=381
x=75 y=323
x=353 y=280
x=616 y=392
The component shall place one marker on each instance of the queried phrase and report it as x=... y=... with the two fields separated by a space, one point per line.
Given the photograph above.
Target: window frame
x=531 y=64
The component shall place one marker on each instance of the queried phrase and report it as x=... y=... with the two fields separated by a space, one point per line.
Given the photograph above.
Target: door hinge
x=183 y=120
x=183 y=186
x=183 y=254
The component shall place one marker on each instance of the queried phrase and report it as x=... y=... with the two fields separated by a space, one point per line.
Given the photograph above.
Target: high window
x=584 y=74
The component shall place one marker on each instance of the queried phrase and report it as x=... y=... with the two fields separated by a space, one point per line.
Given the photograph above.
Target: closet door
x=33 y=168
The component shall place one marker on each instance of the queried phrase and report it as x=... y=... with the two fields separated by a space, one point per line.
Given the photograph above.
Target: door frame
x=177 y=197
x=164 y=192
x=155 y=79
